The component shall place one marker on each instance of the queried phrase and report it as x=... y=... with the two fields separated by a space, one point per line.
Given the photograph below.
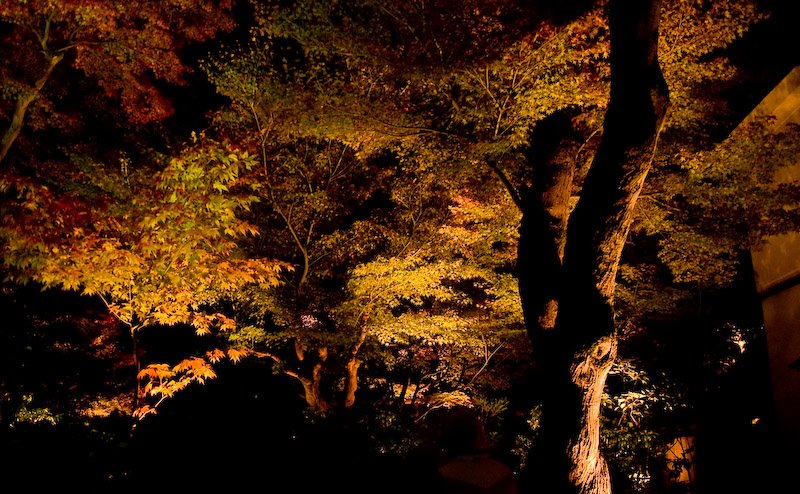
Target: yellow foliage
x=156 y=372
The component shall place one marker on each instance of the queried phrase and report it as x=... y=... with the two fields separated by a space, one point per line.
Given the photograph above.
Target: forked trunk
x=545 y=211
x=313 y=387
x=576 y=354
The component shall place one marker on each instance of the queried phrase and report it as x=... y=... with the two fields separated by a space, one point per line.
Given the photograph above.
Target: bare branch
x=512 y=191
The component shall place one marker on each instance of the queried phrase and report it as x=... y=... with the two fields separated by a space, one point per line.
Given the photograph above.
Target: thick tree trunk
x=578 y=354
x=21 y=107
x=545 y=210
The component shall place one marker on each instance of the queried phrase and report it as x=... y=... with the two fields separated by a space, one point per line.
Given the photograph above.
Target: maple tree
x=157 y=251
x=443 y=178
x=446 y=311
x=349 y=274
x=311 y=190
x=338 y=194
x=460 y=105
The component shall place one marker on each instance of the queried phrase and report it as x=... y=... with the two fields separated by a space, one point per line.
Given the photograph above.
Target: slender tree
x=157 y=250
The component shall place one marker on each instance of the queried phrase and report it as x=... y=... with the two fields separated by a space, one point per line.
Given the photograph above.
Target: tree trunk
x=351 y=368
x=137 y=365
x=313 y=396
x=312 y=393
x=21 y=107
x=351 y=381
x=545 y=210
x=313 y=387
x=401 y=399
x=578 y=354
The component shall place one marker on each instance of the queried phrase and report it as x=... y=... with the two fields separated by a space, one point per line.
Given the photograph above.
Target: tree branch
x=512 y=191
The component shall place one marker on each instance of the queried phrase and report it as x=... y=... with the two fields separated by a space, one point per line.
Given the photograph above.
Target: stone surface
x=777 y=272
x=477 y=474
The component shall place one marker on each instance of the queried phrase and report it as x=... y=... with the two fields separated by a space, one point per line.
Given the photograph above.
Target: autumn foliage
x=157 y=250
x=370 y=199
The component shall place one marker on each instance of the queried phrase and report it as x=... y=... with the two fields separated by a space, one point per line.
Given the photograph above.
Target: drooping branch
x=510 y=188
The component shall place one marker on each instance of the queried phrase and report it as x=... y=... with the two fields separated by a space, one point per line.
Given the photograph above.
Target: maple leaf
x=156 y=371
x=236 y=354
x=189 y=365
x=215 y=355
x=143 y=411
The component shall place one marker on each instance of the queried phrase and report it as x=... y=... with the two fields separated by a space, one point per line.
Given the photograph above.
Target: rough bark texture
x=351 y=381
x=312 y=388
x=577 y=354
x=545 y=210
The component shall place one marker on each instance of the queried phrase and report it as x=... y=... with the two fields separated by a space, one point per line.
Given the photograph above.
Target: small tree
x=158 y=251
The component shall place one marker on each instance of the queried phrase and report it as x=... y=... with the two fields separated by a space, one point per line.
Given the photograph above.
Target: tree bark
x=313 y=387
x=577 y=355
x=545 y=210
x=21 y=106
x=351 y=381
